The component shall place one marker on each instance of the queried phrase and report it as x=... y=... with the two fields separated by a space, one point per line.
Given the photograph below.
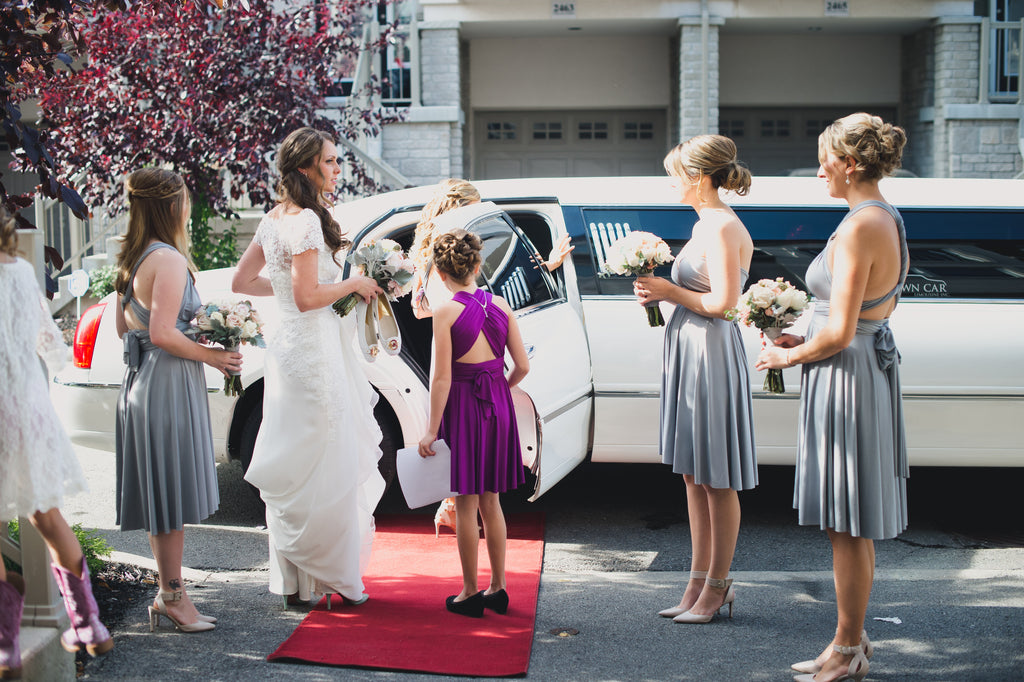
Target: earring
x=847 y=179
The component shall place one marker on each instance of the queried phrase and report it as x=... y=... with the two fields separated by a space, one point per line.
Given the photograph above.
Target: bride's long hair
x=301 y=151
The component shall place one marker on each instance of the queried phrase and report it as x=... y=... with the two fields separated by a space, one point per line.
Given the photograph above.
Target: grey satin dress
x=166 y=475
x=706 y=424
x=851 y=473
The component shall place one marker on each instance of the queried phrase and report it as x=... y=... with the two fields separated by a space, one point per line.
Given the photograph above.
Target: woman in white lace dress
x=37 y=465
x=315 y=458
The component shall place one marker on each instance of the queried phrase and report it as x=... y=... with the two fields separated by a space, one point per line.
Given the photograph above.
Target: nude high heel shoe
x=677 y=610
x=445 y=516
x=729 y=598
x=858 y=666
x=388 y=335
x=366 y=330
x=159 y=608
x=814 y=665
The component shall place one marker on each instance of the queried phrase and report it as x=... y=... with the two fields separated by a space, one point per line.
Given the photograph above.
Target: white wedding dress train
x=315 y=459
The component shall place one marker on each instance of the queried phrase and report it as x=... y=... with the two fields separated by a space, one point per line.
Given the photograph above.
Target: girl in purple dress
x=471 y=409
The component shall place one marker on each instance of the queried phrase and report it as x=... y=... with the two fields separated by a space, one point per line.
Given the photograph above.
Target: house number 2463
x=563 y=9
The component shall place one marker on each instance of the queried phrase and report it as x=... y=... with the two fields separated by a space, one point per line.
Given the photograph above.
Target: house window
x=592 y=130
x=774 y=127
x=501 y=130
x=731 y=127
x=814 y=126
x=547 y=130
x=638 y=130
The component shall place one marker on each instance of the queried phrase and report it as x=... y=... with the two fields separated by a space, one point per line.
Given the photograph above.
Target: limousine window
x=509 y=267
x=954 y=253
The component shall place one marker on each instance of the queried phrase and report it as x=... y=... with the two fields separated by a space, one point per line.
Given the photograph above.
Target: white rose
x=242 y=309
x=760 y=296
x=217 y=317
x=249 y=329
x=233 y=320
x=394 y=261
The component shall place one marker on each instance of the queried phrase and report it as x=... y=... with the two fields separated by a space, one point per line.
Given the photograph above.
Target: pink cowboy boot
x=11 y=603
x=86 y=630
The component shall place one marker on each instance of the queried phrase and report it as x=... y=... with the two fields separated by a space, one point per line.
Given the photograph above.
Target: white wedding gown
x=315 y=459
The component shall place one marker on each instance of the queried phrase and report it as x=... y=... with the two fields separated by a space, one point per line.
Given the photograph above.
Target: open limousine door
x=553 y=407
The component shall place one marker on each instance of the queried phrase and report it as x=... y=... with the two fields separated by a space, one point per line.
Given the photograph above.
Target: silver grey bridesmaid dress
x=166 y=475
x=851 y=473
x=706 y=423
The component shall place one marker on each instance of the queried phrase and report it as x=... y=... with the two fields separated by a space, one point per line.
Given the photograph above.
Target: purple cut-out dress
x=479 y=422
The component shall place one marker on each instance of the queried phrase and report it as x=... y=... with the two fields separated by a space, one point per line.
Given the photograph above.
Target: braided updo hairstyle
x=451 y=193
x=8 y=232
x=457 y=254
x=875 y=146
x=713 y=156
x=301 y=151
x=159 y=207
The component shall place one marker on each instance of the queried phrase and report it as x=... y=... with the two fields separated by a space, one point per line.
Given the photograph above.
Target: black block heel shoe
x=470 y=606
x=497 y=601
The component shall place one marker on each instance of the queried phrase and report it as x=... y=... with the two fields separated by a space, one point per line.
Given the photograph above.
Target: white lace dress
x=37 y=465
x=315 y=459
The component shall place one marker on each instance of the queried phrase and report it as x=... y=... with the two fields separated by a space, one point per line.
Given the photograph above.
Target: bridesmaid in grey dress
x=706 y=425
x=165 y=469
x=852 y=460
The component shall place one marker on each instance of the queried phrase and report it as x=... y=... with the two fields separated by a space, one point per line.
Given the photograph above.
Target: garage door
x=532 y=144
x=776 y=140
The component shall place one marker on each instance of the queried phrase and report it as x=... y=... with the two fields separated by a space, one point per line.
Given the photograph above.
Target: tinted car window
x=509 y=268
x=957 y=253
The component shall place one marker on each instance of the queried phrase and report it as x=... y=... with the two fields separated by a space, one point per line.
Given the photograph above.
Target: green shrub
x=210 y=250
x=101 y=280
x=94 y=547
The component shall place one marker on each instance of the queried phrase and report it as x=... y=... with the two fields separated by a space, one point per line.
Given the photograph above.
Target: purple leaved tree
x=209 y=93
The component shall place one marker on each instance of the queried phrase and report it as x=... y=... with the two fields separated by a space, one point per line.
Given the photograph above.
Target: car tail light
x=85 y=335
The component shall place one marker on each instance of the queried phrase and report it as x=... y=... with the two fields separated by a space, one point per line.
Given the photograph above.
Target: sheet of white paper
x=425 y=480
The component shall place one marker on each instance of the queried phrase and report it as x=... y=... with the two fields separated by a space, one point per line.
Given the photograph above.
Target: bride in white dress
x=315 y=459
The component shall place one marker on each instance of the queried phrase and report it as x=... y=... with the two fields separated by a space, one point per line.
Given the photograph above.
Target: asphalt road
x=948 y=601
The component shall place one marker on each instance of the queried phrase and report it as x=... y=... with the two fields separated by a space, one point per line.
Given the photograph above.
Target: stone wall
x=424 y=152
x=690 y=89
x=917 y=78
x=984 y=148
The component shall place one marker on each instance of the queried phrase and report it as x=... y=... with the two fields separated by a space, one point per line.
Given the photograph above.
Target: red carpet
x=405 y=626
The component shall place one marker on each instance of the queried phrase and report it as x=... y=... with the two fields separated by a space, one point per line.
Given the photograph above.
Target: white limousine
x=596 y=364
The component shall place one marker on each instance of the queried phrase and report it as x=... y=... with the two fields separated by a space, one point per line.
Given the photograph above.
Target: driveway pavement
x=944 y=607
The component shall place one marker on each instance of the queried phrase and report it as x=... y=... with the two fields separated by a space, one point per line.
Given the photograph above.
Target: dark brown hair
x=457 y=254
x=875 y=146
x=159 y=207
x=300 y=151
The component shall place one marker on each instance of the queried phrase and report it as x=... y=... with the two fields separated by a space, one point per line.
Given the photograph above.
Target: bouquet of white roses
x=230 y=324
x=638 y=253
x=387 y=264
x=771 y=306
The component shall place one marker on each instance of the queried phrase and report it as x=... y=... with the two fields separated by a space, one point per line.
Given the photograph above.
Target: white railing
x=1002 y=60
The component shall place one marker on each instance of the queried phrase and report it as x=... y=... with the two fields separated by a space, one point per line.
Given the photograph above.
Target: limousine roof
x=644 y=191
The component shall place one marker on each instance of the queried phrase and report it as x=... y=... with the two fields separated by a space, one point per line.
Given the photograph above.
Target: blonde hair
x=713 y=156
x=159 y=207
x=451 y=193
x=875 y=146
x=8 y=232
x=457 y=254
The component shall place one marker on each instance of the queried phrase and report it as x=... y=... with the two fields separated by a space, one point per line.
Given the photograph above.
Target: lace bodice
x=30 y=330
x=286 y=236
